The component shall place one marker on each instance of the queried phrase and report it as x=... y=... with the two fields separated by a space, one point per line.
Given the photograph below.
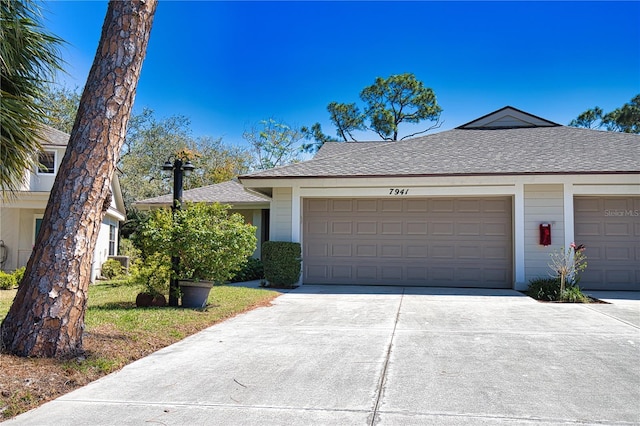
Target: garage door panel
x=586 y=205
x=469 y=229
x=468 y=206
x=441 y=242
x=366 y=228
x=417 y=273
x=318 y=249
x=341 y=250
x=587 y=229
x=616 y=203
x=366 y=206
x=367 y=273
x=417 y=228
x=610 y=229
x=317 y=227
x=366 y=250
x=388 y=250
x=496 y=229
x=441 y=205
x=417 y=206
x=391 y=273
x=391 y=206
x=618 y=229
x=341 y=272
x=496 y=252
x=624 y=254
x=391 y=228
x=442 y=228
x=497 y=206
x=317 y=273
x=341 y=228
x=417 y=251
x=342 y=206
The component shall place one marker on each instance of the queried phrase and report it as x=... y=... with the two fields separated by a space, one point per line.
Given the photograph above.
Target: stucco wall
x=542 y=204
x=280 y=227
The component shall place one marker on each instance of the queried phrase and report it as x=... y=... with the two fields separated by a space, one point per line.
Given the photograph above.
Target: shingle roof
x=230 y=192
x=539 y=150
x=53 y=137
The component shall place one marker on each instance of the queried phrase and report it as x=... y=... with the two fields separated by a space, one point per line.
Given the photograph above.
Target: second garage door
x=449 y=242
x=609 y=227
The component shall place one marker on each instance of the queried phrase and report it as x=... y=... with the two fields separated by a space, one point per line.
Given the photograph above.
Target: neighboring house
x=21 y=215
x=463 y=208
x=254 y=207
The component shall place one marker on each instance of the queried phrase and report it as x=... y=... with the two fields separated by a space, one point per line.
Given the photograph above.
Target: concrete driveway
x=383 y=356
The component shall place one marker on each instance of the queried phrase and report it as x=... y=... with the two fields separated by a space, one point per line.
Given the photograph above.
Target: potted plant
x=210 y=243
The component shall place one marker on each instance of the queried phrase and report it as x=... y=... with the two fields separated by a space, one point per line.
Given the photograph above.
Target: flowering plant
x=566 y=265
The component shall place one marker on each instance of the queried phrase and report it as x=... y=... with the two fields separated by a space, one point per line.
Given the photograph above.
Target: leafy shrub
x=544 y=289
x=19 y=274
x=573 y=294
x=7 y=281
x=281 y=263
x=128 y=249
x=252 y=270
x=111 y=269
x=152 y=274
x=211 y=243
x=548 y=289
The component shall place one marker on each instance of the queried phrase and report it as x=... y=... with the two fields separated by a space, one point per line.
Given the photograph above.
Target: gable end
x=507 y=118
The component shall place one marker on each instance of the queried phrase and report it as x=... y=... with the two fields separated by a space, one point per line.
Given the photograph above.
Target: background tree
x=274 y=144
x=29 y=58
x=46 y=318
x=387 y=103
x=151 y=141
x=625 y=119
x=61 y=104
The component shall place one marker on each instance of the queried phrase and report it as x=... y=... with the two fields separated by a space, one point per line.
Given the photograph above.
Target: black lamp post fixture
x=179 y=168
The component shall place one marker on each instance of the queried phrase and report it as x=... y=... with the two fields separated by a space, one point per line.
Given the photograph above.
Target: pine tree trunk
x=47 y=315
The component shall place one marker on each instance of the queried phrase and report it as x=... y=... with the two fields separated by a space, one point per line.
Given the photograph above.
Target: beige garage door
x=450 y=242
x=609 y=227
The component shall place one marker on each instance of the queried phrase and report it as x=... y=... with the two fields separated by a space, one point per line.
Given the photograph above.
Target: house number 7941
x=398 y=191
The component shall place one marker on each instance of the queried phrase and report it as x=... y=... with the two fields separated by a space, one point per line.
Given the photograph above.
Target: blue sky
x=227 y=65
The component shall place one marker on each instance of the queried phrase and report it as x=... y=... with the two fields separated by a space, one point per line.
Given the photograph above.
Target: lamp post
x=178 y=168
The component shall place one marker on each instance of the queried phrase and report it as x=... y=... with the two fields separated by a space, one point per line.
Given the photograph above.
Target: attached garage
x=609 y=227
x=445 y=242
x=463 y=207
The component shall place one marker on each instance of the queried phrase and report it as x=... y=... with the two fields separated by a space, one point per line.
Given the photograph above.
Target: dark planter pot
x=195 y=293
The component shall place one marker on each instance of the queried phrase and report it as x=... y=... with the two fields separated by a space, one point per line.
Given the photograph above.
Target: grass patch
x=116 y=334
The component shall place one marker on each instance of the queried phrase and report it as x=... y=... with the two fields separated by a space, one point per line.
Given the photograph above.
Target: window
x=113 y=233
x=47 y=163
x=36 y=227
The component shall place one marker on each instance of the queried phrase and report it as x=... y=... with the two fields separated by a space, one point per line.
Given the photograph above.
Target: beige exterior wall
x=542 y=204
x=280 y=228
x=9 y=234
x=17 y=231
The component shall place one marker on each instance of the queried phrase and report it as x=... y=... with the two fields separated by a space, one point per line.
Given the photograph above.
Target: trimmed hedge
x=281 y=260
x=252 y=270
